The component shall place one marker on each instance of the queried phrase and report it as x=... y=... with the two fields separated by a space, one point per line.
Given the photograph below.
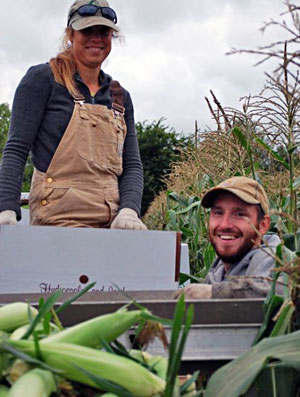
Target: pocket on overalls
x=85 y=136
x=100 y=139
x=110 y=153
x=51 y=203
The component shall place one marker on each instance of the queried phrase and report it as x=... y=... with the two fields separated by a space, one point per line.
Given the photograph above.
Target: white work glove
x=195 y=291
x=127 y=219
x=8 y=217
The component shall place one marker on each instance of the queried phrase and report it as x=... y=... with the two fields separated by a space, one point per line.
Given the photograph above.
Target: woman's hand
x=127 y=218
x=8 y=217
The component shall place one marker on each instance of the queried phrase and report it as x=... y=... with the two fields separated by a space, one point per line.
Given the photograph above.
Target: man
x=238 y=220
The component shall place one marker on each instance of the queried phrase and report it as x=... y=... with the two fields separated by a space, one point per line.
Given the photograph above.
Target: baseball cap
x=246 y=189
x=96 y=12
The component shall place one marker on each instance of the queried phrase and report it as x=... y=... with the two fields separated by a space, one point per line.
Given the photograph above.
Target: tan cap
x=246 y=189
x=78 y=22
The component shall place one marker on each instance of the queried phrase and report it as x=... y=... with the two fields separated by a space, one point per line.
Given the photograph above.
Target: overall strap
x=117 y=97
x=79 y=99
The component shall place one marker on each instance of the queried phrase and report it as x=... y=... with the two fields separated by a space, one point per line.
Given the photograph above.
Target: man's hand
x=127 y=219
x=8 y=217
x=195 y=291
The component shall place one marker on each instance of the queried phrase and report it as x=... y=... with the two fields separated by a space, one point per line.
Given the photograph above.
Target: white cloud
x=175 y=51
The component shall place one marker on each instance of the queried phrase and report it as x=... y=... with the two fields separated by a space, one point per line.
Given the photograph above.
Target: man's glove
x=127 y=219
x=8 y=217
x=195 y=291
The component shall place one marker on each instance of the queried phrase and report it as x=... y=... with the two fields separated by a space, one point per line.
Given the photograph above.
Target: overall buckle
x=117 y=109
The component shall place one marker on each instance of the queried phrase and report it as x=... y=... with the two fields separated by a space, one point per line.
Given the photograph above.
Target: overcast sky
x=173 y=55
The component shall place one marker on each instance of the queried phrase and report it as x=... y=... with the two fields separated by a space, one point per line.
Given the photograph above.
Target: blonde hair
x=63 y=66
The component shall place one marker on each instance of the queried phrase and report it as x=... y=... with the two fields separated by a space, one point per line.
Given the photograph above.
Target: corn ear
x=121 y=370
x=191 y=390
x=20 y=331
x=35 y=383
x=14 y=315
x=107 y=327
x=158 y=363
x=107 y=395
x=18 y=369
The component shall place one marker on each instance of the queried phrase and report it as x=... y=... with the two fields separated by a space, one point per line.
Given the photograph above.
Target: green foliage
x=160 y=146
x=290 y=202
x=4 y=125
x=186 y=215
x=235 y=378
x=27 y=175
x=180 y=330
x=5 y=115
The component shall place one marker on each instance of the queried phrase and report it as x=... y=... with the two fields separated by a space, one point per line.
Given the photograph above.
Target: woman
x=79 y=126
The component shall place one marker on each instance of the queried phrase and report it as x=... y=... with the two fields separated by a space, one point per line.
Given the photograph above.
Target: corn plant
x=186 y=215
x=274 y=356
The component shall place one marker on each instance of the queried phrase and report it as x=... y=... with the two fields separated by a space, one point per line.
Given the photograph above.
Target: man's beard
x=243 y=250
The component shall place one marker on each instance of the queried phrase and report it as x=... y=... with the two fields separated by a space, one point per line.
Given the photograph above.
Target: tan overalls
x=80 y=187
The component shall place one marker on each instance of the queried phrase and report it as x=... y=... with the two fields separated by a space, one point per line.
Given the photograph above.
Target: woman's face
x=91 y=46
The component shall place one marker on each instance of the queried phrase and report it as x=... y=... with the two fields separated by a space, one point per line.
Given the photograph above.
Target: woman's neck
x=90 y=76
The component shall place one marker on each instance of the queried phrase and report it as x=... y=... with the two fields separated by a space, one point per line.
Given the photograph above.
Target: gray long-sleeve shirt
x=41 y=112
x=256 y=263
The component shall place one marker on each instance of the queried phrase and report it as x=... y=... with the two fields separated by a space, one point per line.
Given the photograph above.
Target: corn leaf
x=240 y=137
x=119 y=349
x=186 y=277
x=172 y=216
x=187 y=232
x=187 y=209
x=105 y=384
x=145 y=315
x=272 y=304
x=106 y=346
x=177 y=343
x=46 y=323
x=204 y=181
x=187 y=384
x=283 y=322
x=296 y=183
x=176 y=329
x=25 y=357
x=175 y=197
x=187 y=325
x=292 y=241
x=292 y=149
x=286 y=290
x=76 y=296
x=37 y=346
x=235 y=378
x=288 y=255
x=273 y=153
x=47 y=306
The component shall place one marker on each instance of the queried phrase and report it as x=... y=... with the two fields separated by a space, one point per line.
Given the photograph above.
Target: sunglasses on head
x=89 y=10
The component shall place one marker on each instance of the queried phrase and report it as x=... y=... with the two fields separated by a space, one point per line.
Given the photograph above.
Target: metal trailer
x=221 y=330
x=36 y=261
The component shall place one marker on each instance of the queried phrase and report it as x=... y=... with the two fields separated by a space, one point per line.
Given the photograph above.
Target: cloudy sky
x=173 y=55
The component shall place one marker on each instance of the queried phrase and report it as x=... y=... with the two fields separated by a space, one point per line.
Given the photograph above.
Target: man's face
x=229 y=230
